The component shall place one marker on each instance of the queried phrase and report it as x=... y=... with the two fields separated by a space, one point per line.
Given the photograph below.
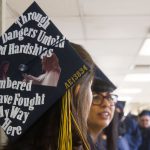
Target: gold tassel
x=65 y=133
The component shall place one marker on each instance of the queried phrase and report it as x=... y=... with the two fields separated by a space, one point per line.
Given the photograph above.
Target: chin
x=104 y=124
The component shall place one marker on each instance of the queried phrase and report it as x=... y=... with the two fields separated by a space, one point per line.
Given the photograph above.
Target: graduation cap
x=120 y=104
x=37 y=67
x=144 y=113
x=101 y=82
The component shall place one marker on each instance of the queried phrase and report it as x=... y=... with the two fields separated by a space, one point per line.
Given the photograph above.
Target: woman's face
x=101 y=115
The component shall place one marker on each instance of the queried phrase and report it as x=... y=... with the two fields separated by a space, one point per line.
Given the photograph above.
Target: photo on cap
x=37 y=66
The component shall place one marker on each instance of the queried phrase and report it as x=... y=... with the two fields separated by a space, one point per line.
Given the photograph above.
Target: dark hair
x=144 y=113
x=112 y=133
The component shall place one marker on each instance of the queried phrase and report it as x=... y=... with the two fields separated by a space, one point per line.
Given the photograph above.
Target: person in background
x=101 y=114
x=122 y=141
x=132 y=132
x=144 y=123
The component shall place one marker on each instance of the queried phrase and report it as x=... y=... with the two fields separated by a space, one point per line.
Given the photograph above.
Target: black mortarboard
x=101 y=82
x=120 y=104
x=42 y=66
x=144 y=113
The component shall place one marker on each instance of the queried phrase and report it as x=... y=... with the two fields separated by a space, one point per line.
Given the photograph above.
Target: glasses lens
x=97 y=98
x=112 y=98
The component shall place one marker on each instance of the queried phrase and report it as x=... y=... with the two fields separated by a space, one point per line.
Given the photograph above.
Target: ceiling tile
x=50 y=7
x=116 y=7
x=117 y=27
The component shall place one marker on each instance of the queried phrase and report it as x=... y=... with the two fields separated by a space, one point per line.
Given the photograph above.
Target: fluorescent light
x=125 y=98
x=129 y=91
x=145 y=48
x=138 y=77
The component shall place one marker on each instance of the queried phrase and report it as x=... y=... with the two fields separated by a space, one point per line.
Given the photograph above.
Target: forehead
x=102 y=93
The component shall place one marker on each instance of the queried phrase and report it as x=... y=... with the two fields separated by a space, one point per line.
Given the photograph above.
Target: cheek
x=146 y=123
x=91 y=117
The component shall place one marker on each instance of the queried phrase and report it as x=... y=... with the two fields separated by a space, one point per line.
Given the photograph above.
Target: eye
x=110 y=98
x=95 y=96
x=114 y=97
x=96 y=99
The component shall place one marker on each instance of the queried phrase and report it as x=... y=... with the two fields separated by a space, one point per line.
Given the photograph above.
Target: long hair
x=112 y=133
x=43 y=135
x=81 y=106
x=52 y=63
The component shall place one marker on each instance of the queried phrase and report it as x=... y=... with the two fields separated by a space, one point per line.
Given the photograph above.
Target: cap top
x=32 y=83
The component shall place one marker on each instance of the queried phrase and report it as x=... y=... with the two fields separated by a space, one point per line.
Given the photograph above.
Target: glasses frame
x=112 y=102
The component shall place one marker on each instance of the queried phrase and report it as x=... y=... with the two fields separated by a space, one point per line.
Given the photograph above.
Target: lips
x=104 y=115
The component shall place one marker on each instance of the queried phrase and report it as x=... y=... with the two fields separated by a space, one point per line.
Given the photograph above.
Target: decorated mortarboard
x=101 y=82
x=37 y=66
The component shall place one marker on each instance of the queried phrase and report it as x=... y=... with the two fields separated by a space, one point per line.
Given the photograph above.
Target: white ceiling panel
x=115 y=62
x=50 y=7
x=143 y=60
x=117 y=47
x=117 y=27
x=116 y=7
x=139 y=85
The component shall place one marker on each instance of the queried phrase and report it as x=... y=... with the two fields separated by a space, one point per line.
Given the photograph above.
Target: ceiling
x=112 y=32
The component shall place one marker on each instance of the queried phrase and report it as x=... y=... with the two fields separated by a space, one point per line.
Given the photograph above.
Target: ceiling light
x=145 y=50
x=125 y=98
x=129 y=91
x=138 y=77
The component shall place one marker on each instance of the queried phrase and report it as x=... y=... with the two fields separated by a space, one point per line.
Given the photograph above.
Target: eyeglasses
x=99 y=98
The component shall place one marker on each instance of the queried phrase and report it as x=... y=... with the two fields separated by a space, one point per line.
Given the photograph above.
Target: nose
x=105 y=103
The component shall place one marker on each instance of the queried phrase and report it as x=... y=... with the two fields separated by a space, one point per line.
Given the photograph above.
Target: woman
x=101 y=115
x=51 y=69
x=44 y=135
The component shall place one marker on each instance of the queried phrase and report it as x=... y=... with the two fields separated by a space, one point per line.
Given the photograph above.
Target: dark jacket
x=99 y=145
x=145 y=145
x=133 y=134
